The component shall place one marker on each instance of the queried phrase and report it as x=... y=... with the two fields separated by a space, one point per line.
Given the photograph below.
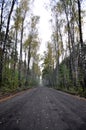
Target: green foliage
x=64 y=78
x=10 y=80
x=48 y=65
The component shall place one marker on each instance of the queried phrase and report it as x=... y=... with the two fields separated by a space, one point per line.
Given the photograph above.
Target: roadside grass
x=7 y=90
x=74 y=91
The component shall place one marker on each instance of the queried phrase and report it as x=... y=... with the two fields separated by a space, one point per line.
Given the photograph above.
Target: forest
x=64 y=60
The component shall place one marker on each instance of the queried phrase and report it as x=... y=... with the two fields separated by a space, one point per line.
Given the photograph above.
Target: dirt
x=43 y=109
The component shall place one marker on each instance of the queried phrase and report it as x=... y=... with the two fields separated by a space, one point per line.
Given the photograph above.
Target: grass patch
x=7 y=91
x=79 y=91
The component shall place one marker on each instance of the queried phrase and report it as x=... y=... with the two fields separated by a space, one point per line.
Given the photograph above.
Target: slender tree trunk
x=28 y=68
x=8 y=23
x=83 y=51
x=1 y=20
x=69 y=46
x=62 y=48
x=80 y=24
x=74 y=56
x=20 y=58
x=57 y=54
x=25 y=64
x=1 y=60
x=15 y=55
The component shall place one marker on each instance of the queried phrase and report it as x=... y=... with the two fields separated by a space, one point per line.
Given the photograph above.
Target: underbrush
x=9 y=90
x=72 y=90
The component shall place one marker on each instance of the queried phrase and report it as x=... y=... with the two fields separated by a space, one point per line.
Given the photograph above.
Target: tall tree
x=24 y=9
x=32 y=44
x=5 y=38
x=48 y=66
x=17 y=24
x=80 y=23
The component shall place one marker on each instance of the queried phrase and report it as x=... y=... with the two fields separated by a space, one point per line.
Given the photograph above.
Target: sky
x=44 y=25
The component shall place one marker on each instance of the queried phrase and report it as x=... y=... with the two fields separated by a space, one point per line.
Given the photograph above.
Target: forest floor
x=43 y=109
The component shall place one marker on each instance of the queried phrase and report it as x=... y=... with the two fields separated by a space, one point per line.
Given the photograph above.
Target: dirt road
x=43 y=109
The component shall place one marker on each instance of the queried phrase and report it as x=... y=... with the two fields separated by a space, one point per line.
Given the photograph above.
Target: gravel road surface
x=43 y=109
